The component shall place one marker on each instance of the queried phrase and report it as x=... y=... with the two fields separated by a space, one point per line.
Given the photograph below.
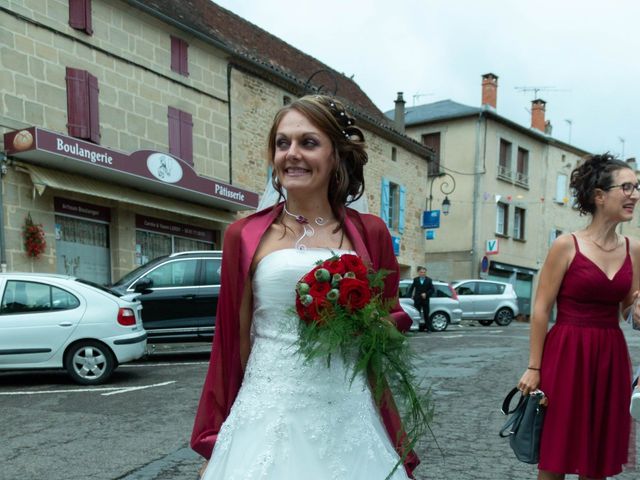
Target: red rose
x=334 y=266
x=310 y=313
x=354 y=293
x=310 y=277
x=319 y=290
x=354 y=264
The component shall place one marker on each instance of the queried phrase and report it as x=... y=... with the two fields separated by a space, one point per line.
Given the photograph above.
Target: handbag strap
x=507 y=401
x=506 y=431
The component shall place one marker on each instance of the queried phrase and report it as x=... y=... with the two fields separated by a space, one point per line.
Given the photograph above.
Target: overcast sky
x=585 y=53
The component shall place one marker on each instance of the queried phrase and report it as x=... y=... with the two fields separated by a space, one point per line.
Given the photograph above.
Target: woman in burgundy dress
x=582 y=364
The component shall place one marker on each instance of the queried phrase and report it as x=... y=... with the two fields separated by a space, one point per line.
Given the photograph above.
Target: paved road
x=137 y=427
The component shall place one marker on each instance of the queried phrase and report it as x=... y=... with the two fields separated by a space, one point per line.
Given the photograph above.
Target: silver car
x=487 y=301
x=444 y=308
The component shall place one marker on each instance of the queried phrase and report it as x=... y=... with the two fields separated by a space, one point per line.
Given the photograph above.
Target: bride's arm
x=246 y=309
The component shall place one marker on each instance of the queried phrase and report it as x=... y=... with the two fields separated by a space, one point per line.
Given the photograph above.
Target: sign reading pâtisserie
x=142 y=169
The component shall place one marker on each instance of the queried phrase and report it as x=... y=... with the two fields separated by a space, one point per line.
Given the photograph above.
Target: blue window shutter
x=384 y=201
x=401 y=210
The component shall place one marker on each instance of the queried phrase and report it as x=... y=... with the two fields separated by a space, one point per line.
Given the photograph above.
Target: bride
x=270 y=414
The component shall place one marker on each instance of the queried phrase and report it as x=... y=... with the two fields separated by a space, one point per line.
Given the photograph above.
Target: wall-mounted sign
x=430 y=234
x=155 y=172
x=431 y=219
x=164 y=168
x=173 y=228
x=492 y=247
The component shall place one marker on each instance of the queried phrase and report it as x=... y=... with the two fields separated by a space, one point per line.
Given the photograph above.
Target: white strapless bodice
x=294 y=419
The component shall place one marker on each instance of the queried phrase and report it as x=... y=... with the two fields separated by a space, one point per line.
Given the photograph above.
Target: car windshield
x=133 y=274
x=98 y=286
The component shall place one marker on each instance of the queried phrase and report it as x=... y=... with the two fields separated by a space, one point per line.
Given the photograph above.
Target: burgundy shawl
x=370 y=239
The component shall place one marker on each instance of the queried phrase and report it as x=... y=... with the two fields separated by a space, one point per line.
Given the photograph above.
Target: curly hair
x=595 y=172
x=331 y=117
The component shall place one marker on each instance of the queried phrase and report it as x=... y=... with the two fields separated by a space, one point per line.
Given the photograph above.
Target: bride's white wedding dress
x=293 y=420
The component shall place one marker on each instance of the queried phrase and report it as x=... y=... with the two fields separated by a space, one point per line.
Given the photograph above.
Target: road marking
x=450 y=336
x=139 y=365
x=112 y=390
x=142 y=387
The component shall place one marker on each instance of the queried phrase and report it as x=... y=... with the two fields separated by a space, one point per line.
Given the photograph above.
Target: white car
x=54 y=321
x=487 y=301
x=444 y=307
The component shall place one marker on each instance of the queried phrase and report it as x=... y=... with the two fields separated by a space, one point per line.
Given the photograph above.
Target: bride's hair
x=331 y=117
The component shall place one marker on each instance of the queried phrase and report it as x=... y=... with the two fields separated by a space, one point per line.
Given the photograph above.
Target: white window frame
x=519 y=220
x=561 y=188
x=502 y=219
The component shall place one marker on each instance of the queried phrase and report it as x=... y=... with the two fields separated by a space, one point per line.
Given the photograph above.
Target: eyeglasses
x=627 y=188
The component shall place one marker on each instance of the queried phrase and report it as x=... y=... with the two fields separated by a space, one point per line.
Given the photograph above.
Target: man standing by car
x=421 y=290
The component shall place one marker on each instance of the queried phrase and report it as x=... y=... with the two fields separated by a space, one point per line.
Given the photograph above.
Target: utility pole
x=622 y=142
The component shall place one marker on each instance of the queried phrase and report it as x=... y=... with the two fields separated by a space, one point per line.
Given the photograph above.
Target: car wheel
x=485 y=323
x=439 y=321
x=89 y=362
x=504 y=317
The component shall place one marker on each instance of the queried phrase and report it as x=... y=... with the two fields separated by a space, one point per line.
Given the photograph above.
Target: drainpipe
x=229 y=67
x=477 y=170
x=3 y=250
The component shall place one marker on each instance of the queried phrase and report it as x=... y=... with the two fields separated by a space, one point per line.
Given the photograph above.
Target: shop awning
x=44 y=177
x=150 y=171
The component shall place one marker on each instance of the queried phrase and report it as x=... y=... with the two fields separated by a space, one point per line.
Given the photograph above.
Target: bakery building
x=135 y=129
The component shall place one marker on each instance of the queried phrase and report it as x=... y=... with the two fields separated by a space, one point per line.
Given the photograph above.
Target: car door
x=467 y=296
x=486 y=302
x=36 y=320
x=206 y=302
x=168 y=307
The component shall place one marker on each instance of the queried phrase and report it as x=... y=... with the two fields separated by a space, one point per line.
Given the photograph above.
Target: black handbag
x=525 y=425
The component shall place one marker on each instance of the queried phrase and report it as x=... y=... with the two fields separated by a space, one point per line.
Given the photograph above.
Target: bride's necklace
x=307 y=229
x=606 y=250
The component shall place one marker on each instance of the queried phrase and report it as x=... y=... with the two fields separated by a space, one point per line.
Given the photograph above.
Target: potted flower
x=34 y=238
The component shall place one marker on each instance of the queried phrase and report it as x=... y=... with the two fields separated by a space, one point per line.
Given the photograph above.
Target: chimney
x=490 y=90
x=398 y=116
x=537 y=114
x=632 y=163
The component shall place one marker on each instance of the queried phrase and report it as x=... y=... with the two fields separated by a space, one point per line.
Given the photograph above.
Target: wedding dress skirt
x=291 y=419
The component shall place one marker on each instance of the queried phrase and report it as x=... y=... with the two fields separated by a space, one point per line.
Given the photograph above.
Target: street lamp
x=447 y=186
x=446 y=206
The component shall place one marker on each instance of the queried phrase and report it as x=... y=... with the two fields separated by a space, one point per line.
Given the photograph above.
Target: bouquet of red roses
x=343 y=312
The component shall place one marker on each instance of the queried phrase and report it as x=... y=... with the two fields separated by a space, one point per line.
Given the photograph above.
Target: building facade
x=135 y=129
x=511 y=195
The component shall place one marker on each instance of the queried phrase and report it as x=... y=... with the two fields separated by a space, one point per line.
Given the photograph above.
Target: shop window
x=392 y=205
x=181 y=135
x=151 y=245
x=522 y=167
x=518 y=223
x=82 y=249
x=432 y=140
x=504 y=160
x=80 y=15
x=502 y=219
x=179 y=56
x=181 y=244
x=82 y=105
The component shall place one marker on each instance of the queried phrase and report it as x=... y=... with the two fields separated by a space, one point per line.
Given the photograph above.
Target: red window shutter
x=94 y=109
x=179 y=56
x=78 y=124
x=174 y=132
x=175 y=54
x=184 y=58
x=186 y=137
x=80 y=15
